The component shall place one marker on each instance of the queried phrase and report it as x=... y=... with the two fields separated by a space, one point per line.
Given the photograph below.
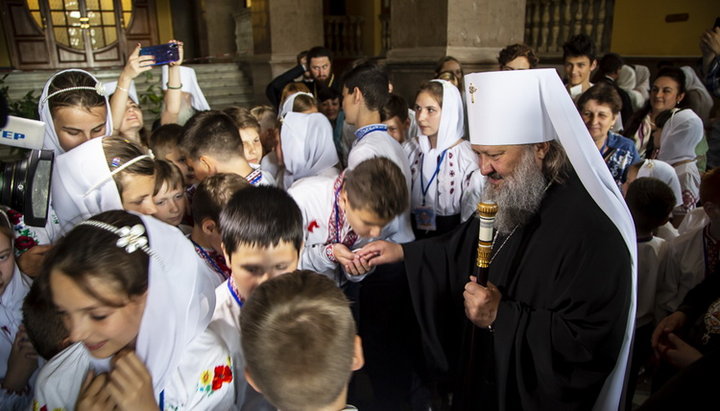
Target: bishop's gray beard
x=519 y=196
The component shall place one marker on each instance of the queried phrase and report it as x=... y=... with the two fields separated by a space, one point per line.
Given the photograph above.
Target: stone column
x=281 y=29
x=423 y=31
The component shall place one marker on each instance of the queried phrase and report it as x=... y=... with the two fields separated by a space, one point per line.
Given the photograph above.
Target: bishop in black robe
x=566 y=284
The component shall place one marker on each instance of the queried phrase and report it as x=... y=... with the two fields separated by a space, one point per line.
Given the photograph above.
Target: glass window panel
x=108 y=19
x=73 y=17
x=126 y=5
x=75 y=37
x=71 y=5
x=56 y=5
x=61 y=35
x=126 y=19
x=94 y=18
x=33 y=5
x=92 y=4
x=107 y=5
x=58 y=18
x=38 y=18
x=97 y=40
x=110 y=35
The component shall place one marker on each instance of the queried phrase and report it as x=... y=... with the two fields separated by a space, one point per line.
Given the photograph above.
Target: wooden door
x=76 y=33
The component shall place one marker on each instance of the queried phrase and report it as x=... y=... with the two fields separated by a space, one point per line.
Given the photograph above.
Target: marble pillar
x=473 y=31
x=280 y=30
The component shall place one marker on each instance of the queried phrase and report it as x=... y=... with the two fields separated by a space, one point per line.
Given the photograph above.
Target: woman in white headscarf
x=75 y=109
x=137 y=313
x=699 y=99
x=680 y=135
x=627 y=81
x=307 y=148
x=441 y=162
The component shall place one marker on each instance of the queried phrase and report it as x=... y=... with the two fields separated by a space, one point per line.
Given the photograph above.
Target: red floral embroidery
x=222 y=375
x=25 y=243
x=313 y=225
x=14 y=216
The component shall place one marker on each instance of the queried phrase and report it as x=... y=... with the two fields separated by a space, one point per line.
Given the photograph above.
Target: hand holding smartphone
x=162 y=53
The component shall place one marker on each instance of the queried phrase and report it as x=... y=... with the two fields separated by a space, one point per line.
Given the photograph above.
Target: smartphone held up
x=162 y=53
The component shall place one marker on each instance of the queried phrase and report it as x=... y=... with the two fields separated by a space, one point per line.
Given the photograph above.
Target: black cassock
x=565 y=279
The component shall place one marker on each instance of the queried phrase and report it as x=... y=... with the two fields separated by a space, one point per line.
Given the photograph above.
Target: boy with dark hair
x=262 y=237
x=608 y=72
x=579 y=62
x=212 y=144
x=394 y=115
x=299 y=337
x=365 y=92
x=650 y=202
x=165 y=145
x=211 y=197
x=517 y=57
x=342 y=214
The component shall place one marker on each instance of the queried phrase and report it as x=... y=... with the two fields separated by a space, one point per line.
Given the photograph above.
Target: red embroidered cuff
x=329 y=253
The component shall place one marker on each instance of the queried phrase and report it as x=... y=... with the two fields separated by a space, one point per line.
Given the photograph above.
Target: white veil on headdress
x=11 y=302
x=190 y=85
x=665 y=173
x=307 y=145
x=450 y=130
x=496 y=100
x=702 y=98
x=51 y=141
x=680 y=135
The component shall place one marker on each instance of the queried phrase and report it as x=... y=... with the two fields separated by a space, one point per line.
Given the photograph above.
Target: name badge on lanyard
x=425 y=216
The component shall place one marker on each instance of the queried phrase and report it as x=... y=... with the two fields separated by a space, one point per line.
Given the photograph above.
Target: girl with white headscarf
x=18 y=359
x=441 y=162
x=306 y=142
x=680 y=135
x=138 y=314
x=100 y=175
x=75 y=109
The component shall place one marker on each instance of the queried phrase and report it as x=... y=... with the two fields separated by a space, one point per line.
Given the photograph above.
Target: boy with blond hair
x=298 y=335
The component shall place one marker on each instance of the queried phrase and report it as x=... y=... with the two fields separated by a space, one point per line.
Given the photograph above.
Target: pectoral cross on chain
x=472 y=89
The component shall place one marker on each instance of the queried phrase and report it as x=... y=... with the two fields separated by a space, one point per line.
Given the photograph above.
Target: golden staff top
x=487 y=212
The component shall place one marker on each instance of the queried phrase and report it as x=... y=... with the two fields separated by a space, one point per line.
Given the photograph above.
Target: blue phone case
x=163 y=53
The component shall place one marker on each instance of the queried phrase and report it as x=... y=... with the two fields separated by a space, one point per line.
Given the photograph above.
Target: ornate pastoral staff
x=487 y=212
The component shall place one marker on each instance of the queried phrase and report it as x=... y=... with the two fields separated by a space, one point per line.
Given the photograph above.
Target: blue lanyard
x=432 y=178
x=162 y=400
x=233 y=293
x=362 y=132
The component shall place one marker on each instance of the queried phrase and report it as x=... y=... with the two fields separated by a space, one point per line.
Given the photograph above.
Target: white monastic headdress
x=533 y=106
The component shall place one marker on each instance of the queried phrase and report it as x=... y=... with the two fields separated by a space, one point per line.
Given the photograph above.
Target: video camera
x=25 y=183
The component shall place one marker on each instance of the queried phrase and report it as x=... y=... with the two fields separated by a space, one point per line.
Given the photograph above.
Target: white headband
x=131 y=238
x=99 y=88
x=119 y=169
